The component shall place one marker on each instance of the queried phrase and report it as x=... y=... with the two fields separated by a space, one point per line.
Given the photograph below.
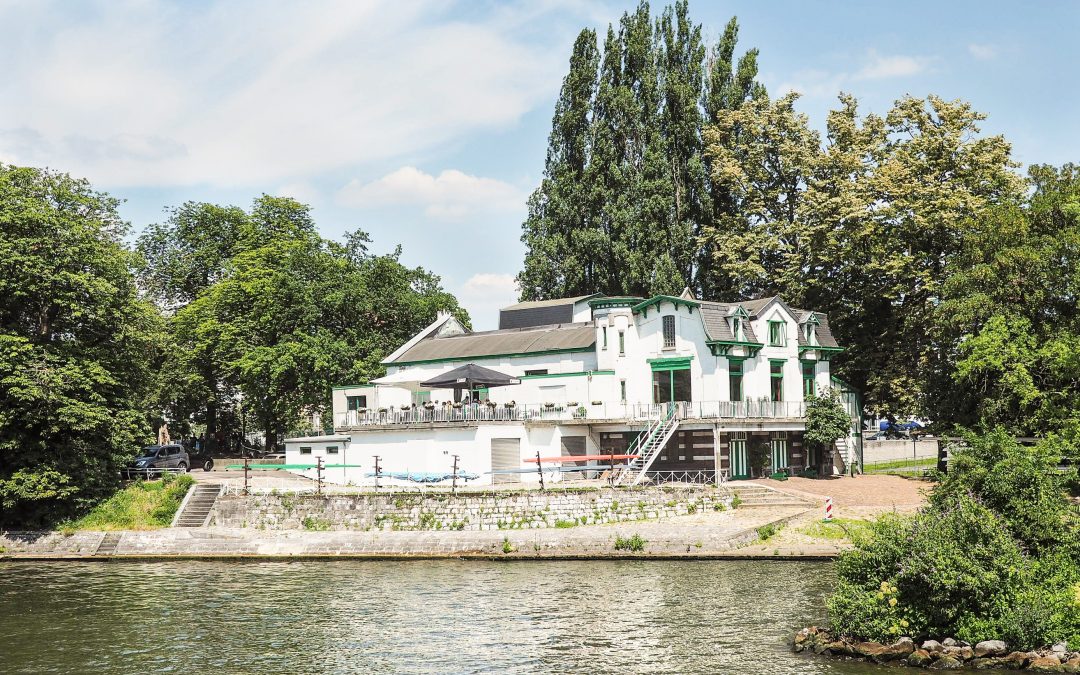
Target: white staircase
x=648 y=445
x=843 y=455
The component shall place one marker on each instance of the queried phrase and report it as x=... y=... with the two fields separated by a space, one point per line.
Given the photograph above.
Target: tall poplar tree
x=564 y=238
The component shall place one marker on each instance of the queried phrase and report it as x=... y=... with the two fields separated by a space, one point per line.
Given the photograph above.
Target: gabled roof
x=715 y=317
x=556 y=338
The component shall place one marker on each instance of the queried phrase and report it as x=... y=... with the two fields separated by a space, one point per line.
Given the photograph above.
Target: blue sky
x=425 y=123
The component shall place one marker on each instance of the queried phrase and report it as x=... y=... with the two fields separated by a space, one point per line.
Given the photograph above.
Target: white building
x=706 y=381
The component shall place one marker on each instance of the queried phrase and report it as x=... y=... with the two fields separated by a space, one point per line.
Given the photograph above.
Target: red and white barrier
x=828 y=509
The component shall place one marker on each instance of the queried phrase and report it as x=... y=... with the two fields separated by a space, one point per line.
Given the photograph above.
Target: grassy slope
x=140 y=506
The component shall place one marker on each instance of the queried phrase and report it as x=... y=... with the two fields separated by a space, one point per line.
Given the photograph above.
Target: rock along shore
x=948 y=654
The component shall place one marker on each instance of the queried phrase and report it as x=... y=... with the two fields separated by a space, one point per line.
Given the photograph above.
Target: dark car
x=155 y=458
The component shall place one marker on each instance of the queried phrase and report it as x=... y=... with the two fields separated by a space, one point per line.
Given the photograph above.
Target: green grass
x=565 y=524
x=635 y=543
x=768 y=531
x=902 y=466
x=143 y=505
x=838 y=528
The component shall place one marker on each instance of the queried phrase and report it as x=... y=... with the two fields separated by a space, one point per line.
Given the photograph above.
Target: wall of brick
x=474 y=511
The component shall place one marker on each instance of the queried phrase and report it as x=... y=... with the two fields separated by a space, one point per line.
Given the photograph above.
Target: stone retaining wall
x=472 y=511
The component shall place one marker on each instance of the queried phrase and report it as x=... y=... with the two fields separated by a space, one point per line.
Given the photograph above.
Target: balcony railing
x=526 y=412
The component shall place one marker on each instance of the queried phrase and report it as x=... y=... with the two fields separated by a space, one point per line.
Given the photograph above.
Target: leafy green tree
x=564 y=239
x=179 y=260
x=730 y=83
x=827 y=420
x=76 y=344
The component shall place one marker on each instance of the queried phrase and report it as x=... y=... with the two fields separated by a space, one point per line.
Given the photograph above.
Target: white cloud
x=148 y=92
x=484 y=294
x=982 y=52
x=881 y=67
x=827 y=84
x=452 y=195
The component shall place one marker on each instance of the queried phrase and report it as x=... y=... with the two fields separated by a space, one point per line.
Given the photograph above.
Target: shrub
x=634 y=543
x=768 y=530
x=994 y=555
x=507 y=547
x=314 y=524
x=564 y=524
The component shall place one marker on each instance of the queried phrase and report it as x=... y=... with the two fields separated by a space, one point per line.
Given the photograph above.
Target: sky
x=425 y=123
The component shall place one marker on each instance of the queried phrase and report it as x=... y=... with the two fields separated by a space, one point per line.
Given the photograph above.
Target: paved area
x=866 y=494
x=854 y=499
x=698 y=535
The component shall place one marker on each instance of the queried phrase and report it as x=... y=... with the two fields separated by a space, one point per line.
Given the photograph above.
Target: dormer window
x=737 y=329
x=777 y=334
x=811 y=334
x=669 y=332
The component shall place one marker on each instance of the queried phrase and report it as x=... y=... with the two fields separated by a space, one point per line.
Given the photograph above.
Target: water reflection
x=410 y=617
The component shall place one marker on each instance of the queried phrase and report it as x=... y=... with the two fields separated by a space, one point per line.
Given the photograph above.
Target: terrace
x=470 y=414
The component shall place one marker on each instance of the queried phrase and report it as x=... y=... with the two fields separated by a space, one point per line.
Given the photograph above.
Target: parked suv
x=172 y=456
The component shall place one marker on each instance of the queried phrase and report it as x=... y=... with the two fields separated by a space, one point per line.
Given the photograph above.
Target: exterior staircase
x=756 y=495
x=195 y=511
x=648 y=445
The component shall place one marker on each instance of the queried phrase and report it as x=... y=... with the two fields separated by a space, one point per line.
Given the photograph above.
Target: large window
x=669 y=332
x=777 y=334
x=809 y=386
x=356 y=402
x=776 y=377
x=811 y=334
x=737 y=329
x=735 y=379
x=671 y=385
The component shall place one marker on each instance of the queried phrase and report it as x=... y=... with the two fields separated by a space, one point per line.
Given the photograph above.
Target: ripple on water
x=411 y=617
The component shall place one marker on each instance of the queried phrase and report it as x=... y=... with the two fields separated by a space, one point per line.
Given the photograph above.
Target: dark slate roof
x=715 y=316
x=540 y=312
x=561 y=337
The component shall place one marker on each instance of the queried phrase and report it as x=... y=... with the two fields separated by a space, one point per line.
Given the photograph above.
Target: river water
x=411 y=617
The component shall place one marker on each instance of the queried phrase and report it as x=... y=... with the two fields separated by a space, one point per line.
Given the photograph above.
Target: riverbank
x=705 y=535
x=790 y=530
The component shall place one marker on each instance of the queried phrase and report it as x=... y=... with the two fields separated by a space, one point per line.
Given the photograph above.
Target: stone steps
x=108 y=543
x=196 y=511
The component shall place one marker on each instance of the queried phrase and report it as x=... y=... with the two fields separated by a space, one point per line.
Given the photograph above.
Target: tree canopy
x=76 y=346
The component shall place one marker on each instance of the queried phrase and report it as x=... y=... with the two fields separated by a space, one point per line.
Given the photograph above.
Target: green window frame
x=779 y=447
x=809 y=371
x=776 y=380
x=777 y=333
x=736 y=372
x=355 y=402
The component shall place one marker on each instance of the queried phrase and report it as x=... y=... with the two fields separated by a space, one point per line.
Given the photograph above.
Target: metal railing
x=149 y=473
x=699 y=477
x=525 y=412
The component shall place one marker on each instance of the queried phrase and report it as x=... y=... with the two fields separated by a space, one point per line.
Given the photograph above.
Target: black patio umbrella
x=470 y=376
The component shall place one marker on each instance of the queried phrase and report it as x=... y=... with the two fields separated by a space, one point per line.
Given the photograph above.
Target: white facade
x=612 y=370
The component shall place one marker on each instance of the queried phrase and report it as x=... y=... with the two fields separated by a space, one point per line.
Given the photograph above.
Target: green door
x=779 y=451
x=740 y=464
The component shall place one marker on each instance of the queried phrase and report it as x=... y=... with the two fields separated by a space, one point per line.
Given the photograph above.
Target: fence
x=526 y=412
